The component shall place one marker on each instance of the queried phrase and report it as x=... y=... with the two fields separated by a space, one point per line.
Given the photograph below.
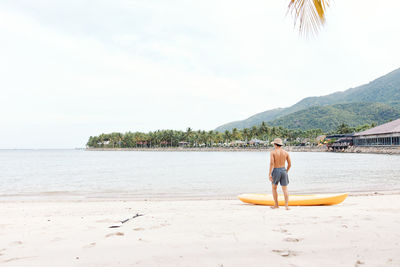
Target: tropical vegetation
x=329 y=118
x=254 y=136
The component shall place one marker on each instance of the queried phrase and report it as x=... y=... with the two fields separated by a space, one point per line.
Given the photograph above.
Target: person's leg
x=275 y=195
x=286 y=194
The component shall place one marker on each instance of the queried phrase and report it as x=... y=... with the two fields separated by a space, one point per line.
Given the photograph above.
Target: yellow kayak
x=294 y=200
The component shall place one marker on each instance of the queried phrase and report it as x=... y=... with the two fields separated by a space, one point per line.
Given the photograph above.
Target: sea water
x=152 y=174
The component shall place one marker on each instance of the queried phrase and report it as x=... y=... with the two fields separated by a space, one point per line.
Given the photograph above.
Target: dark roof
x=390 y=127
x=338 y=136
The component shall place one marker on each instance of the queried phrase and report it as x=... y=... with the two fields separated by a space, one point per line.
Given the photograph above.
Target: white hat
x=277 y=141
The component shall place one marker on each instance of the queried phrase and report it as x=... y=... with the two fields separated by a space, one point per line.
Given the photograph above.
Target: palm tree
x=246 y=134
x=235 y=134
x=189 y=134
x=103 y=138
x=227 y=136
x=253 y=132
x=129 y=139
x=308 y=14
x=263 y=130
x=115 y=139
x=343 y=128
x=211 y=137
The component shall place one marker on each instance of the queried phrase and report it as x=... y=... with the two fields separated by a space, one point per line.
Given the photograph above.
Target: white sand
x=362 y=231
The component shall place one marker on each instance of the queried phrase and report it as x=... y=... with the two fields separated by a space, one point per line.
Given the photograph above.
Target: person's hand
x=270 y=178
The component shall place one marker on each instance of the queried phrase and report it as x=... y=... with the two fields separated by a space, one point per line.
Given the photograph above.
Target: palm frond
x=308 y=14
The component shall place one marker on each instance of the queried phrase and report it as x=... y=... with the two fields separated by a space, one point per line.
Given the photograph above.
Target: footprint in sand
x=289 y=239
x=117 y=233
x=15 y=259
x=90 y=245
x=15 y=243
x=285 y=253
x=280 y=230
x=358 y=263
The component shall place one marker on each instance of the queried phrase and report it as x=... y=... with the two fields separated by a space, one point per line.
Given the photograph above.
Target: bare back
x=279 y=157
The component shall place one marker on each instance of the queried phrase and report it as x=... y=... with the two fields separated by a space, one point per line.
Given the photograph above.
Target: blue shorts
x=279 y=175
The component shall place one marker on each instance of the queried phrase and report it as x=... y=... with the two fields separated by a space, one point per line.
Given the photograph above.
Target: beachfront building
x=106 y=142
x=257 y=142
x=387 y=134
x=183 y=144
x=238 y=143
x=341 y=141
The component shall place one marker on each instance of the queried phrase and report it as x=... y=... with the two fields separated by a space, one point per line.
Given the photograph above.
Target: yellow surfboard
x=294 y=200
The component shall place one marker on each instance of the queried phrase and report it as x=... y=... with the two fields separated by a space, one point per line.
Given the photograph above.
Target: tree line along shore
x=308 y=148
x=256 y=136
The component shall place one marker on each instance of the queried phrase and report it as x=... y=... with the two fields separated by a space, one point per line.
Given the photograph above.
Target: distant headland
x=375 y=102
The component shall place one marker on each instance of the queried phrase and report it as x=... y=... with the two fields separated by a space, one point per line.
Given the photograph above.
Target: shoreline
x=373 y=150
x=213 y=149
x=358 y=150
x=98 y=197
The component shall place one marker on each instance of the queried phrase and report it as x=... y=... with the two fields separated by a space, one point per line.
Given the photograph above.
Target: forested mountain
x=329 y=117
x=385 y=89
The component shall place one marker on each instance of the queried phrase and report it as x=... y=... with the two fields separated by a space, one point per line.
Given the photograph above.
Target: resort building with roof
x=387 y=134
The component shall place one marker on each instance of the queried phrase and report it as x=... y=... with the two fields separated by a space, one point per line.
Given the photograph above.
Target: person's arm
x=289 y=162
x=271 y=165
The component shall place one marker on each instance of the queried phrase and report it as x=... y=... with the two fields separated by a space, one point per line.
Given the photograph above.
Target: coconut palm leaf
x=308 y=14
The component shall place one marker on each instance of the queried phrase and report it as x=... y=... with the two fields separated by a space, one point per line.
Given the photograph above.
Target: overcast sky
x=71 y=69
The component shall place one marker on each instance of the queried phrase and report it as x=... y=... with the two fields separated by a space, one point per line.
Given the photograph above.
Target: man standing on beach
x=277 y=171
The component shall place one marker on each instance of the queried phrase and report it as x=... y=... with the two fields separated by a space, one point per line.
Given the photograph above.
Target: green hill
x=329 y=117
x=385 y=89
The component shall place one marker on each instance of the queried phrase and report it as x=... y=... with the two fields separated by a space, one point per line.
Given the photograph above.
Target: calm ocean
x=52 y=173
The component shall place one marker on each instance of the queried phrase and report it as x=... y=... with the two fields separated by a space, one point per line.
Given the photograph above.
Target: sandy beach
x=362 y=231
